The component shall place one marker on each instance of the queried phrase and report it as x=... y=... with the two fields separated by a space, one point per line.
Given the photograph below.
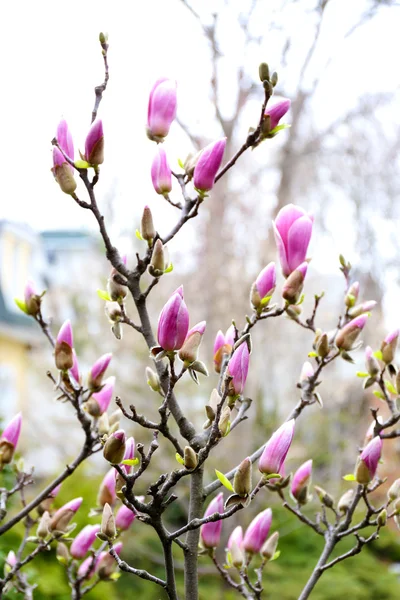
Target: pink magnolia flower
x=124 y=518
x=389 y=345
x=65 y=141
x=238 y=368
x=208 y=165
x=307 y=372
x=12 y=431
x=368 y=460
x=257 y=532
x=301 y=481
x=235 y=537
x=276 y=112
x=349 y=333
x=99 y=368
x=276 y=449
x=189 y=351
x=94 y=144
x=173 y=322
x=161 y=173
x=223 y=345
x=210 y=533
x=107 y=494
x=65 y=334
x=100 y=401
x=83 y=541
x=161 y=109
x=292 y=228
x=264 y=285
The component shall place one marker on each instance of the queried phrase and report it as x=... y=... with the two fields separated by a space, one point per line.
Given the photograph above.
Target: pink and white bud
x=301 y=482
x=62 y=170
x=234 y=548
x=367 y=462
x=161 y=173
x=389 y=345
x=352 y=294
x=161 y=109
x=307 y=372
x=364 y=307
x=238 y=368
x=96 y=373
x=210 y=533
x=349 y=333
x=94 y=144
x=107 y=493
x=190 y=348
x=371 y=362
x=63 y=515
x=236 y=536
x=263 y=287
x=99 y=402
x=276 y=449
x=83 y=541
x=276 y=112
x=293 y=285
x=370 y=431
x=9 y=439
x=63 y=349
x=114 y=448
x=257 y=532
x=87 y=568
x=65 y=141
x=11 y=559
x=173 y=322
x=124 y=518
x=208 y=164
x=293 y=229
x=32 y=298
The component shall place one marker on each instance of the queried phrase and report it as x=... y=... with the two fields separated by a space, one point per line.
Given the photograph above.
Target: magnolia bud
x=114 y=448
x=345 y=501
x=394 y=491
x=388 y=347
x=382 y=518
x=152 y=380
x=147 y=229
x=108 y=523
x=242 y=479
x=294 y=284
x=323 y=346
x=224 y=421
x=157 y=265
x=269 y=548
x=44 y=524
x=237 y=556
x=113 y=311
x=371 y=363
x=190 y=458
x=263 y=71
x=62 y=553
x=352 y=294
x=189 y=351
x=324 y=497
x=63 y=348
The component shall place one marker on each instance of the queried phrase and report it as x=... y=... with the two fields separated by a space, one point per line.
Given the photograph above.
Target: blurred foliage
x=366 y=576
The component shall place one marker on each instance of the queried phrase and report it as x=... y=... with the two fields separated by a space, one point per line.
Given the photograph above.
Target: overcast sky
x=51 y=62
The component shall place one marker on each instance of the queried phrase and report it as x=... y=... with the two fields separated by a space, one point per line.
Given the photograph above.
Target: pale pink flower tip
x=276 y=449
x=368 y=352
x=236 y=536
x=277 y=111
x=257 y=532
x=12 y=431
x=65 y=334
x=392 y=336
x=238 y=368
x=211 y=532
x=100 y=365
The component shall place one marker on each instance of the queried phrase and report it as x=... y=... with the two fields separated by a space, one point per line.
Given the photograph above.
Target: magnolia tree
x=94 y=553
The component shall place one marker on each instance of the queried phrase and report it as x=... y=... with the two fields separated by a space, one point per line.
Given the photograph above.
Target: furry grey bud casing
x=108 y=523
x=147 y=229
x=190 y=458
x=242 y=479
x=269 y=548
x=114 y=448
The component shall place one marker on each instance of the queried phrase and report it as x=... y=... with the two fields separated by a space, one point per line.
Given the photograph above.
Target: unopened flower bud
x=108 y=523
x=106 y=564
x=237 y=556
x=224 y=421
x=32 y=299
x=292 y=229
x=257 y=532
x=60 y=520
x=345 y=501
x=294 y=284
x=9 y=439
x=276 y=449
x=274 y=79
x=99 y=402
x=352 y=294
x=63 y=348
x=107 y=489
x=359 y=309
x=263 y=71
x=161 y=173
x=301 y=482
x=95 y=378
x=124 y=518
x=189 y=351
x=274 y=114
x=269 y=548
x=263 y=287
x=382 y=518
x=324 y=497
x=242 y=479
x=173 y=322
x=190 y=164
x=349 y=333
x=11 y=561
x=116 y=291
x=323 y=346
x=238 y=368
x=44 y=525
x=389 y=345
x=153 y=380
x=62 y=170
x=161 y=109
x=114 y=448
x=210 y=533
x=367 y=462
x=394 y=491
x=370 y=434
x=103 y=424
x=94 y=144
x=190 y=458
x=157 y=265
x=147 y=230
x=208 y=165
x=371 y=362
x=307 y=372
x=113 y=311
x=83 y=541
x=62 y=553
